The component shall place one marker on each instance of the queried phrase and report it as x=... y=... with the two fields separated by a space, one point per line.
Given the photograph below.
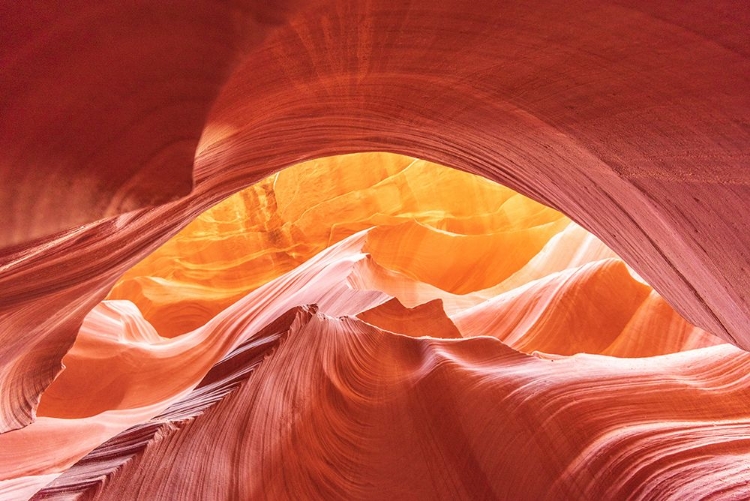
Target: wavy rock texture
x=123 y=123
x=368 y=414
x=220 y=381
x=130 y=394
x=628 y=117
x=271 y=228
x=120 y=372
x=596 y=308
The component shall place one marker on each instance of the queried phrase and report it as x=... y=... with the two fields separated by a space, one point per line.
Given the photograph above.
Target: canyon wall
x=121 y=124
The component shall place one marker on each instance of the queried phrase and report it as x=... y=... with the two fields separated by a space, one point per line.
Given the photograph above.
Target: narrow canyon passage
x=336 y=249
x=374 y=325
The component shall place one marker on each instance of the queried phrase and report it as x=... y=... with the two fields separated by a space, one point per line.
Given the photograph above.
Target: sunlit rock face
x=629 y=117
x=455 y=231
x=343 y=342
x=123 y=123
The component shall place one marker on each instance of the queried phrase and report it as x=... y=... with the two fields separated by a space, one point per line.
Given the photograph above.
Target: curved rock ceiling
x=281 y=315
x=122 y=123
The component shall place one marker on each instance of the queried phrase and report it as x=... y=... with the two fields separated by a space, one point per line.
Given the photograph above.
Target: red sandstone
x=121 y=124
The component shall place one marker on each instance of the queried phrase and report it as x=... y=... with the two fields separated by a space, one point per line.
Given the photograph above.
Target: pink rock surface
x=121 y=123
x=371 y=414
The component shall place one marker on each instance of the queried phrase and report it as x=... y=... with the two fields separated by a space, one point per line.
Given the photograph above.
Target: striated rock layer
x=628 y=116
x=367 y=414
x=120 y=373
x=306 y=385
x=373 y=326
x=274 y=226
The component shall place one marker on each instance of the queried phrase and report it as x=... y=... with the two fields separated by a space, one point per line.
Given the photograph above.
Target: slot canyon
x=335 y=249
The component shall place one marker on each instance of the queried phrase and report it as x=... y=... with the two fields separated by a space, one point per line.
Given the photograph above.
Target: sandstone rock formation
x=121 y=124
x=130 y=397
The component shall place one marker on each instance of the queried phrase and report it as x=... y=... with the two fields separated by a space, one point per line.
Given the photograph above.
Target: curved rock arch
x=630 y=118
